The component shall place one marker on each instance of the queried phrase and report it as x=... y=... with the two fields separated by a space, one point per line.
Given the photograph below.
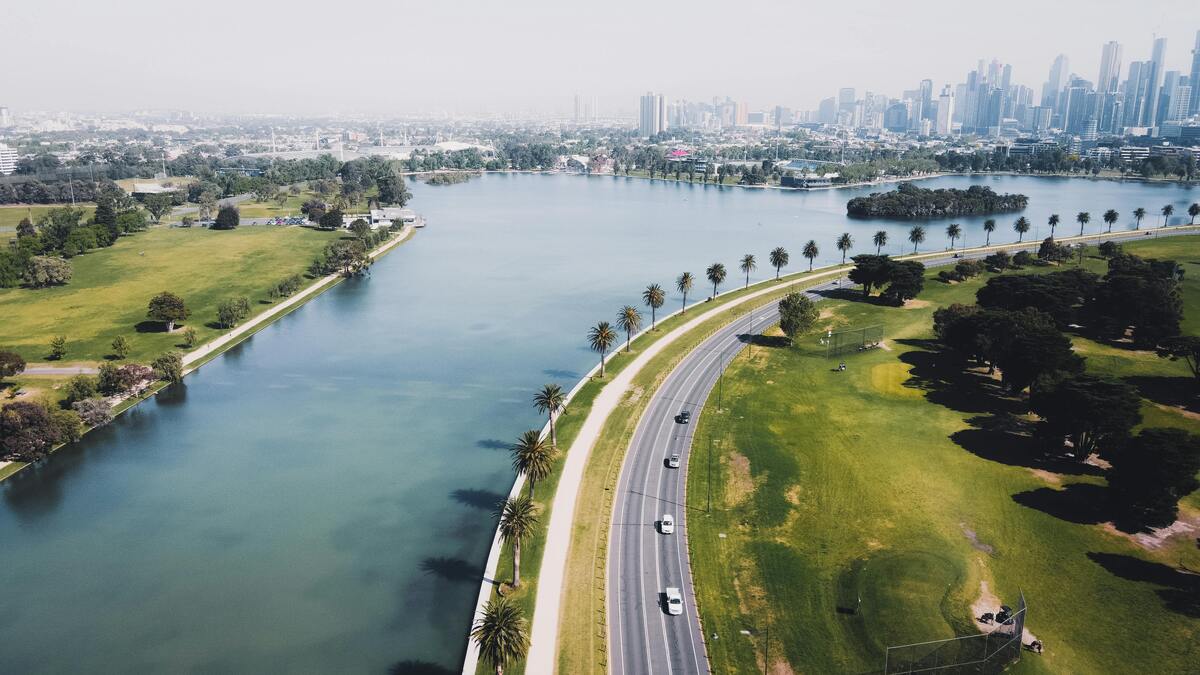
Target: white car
x=673 y=461
x=674 y=602
x=667 y=524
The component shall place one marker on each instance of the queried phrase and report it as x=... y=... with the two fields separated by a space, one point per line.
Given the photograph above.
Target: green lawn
x=111 y=287
x=11 y=215
x=879 y=486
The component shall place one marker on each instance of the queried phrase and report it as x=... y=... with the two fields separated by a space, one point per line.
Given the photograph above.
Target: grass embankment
x=879 y=485
x=108 y=294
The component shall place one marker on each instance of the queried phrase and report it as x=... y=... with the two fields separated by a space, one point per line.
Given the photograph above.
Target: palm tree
x=810 y=251
x=684 y=283
x=953 y=231
x=502 y=634
x=1111 y=216
x=1083 y=218
x=1139 y=213
x=550 y=400
x=654 y=297
x=1167 y=211
x=1053 y=222
x=518 y=517
x=748 y=265
x=601 y=338
x=779 y=259
x=1193 y=211
x=1021 y=227
x=715 y=274
x=532 y=457
x=989 y=226
x=880 y=240
x=629 y=320
x=845 y=243
x=916 y=235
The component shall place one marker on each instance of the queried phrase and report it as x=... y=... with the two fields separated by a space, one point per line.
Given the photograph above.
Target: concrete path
x=60 y=370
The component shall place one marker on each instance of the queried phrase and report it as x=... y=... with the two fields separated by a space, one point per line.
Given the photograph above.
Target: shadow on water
x=492 y=444
x=456 y=570
x=1181 y=592
x=415 y=667
x=484 y=500
x=561 y=374
x=172 y=395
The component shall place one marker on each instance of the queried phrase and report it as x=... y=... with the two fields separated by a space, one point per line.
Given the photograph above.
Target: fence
x=984 y=653
x=853 y=340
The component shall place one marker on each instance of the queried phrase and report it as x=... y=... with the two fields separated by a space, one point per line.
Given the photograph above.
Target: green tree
x=11 y=364
x=1053 y=222
x=1021 y=227
x=1093 y=413
x=167 y=308
x=233 y=311
x=715 y=274
x=880 y=240
x=228 y=218
x=906 y=281
x=871 y=271
x=120 y=347
x=1186 y=347
x=58 y=347
x=811 y=252
x=1167 y=211
x=532 y=457
x=629 y=320
x=989 y=226
x=1193 y=211
x=1139 y=213
x=953 y=232
x=1083 y=218
x=748 y=265
x=684 y=284
x=916 y=235
x=654 y=297
x=43 y=271
x=189 y=337
x=779 y=259
x=360 y=228
x=1152 y=473
x=501 y=633
x=844 y=243
x=518 y=518
x=158 y=205
x=797 y=315
x=331 y=219
x=1110 y=218
x=550 y=400
x=79 y=388
x=601 y=338
x=168 y=367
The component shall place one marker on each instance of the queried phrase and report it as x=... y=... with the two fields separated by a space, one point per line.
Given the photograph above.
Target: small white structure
x=384 y=217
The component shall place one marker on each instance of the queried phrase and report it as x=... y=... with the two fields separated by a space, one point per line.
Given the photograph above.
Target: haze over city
x=530 y=58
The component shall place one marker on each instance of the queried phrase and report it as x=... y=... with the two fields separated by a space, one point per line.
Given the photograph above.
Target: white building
x=653 y=118
x=6 y=119
x=8 y=160
x=945 y=112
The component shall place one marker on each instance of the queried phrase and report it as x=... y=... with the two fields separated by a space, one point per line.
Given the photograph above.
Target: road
x=642 y=562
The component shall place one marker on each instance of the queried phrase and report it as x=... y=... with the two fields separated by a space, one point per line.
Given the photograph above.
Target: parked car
x=673 y=462
x=667 y=524
x=674 y=601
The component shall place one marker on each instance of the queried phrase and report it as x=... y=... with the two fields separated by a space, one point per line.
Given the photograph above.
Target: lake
x=318 y=499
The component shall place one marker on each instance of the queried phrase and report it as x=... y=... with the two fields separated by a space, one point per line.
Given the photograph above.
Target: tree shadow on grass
x=150 y=327
x=1080 y=503
x=1008 y=439
x=455 y=570
x=773 y=341
x=853 y=295
x=1182 y=589
x=417 y=667
x=946 y=383
x=1178 y=392
x=484 y=500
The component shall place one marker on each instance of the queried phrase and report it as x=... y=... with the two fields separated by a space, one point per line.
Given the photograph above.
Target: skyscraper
x=1154 y=83
x=1110 y=67
x=927 y=99
x=1059 y=70
x=653 y=118
x=1194 y=78
x=945 y=111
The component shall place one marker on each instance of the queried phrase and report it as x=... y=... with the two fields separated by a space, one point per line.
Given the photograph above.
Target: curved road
x=643 y=562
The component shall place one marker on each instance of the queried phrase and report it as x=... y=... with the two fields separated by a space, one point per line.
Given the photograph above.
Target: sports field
x=875 y=506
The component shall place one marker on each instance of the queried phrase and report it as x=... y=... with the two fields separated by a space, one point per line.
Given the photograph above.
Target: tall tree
x=1021 y=227
x=167 y=308
x=811 y=252
x=1053 y=222
x=1193 y=211
x=629 y=320
x=501 y=633
x=797 y=314
x=916 y=235
x=1094 y=413
x=844 y=243
x=1110 y=218
x=601 y=338
x=551 y=400
x=1152 y=473
x=684 y=284
x=989 y=226
x=654 y=297
x=747 y=266
x=1083 y=218
x=1167 y=210
x=1139 y=213
x=228 y=218
x=779 y=259
x=1186 y=347
x=953 y=232
x=532 y=457
x=715 y=274
x=880 y=240
x=518 y=518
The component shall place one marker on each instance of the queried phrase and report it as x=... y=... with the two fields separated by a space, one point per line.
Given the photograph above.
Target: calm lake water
x=318 y=499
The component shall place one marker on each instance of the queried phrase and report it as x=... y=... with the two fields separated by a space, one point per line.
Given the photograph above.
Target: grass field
x=881 y=485
x=11 y=215
x=111 y=287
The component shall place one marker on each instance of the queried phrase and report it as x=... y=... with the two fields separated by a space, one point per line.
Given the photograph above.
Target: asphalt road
x=643 y=562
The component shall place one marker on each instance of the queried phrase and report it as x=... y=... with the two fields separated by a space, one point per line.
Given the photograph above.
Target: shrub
x=1022 y=259
x=44 y=271
x=228 y=218
x=998 y=261
x=11 y=364
x=169 y=367
x=79 y=388
x=93 y=412
x=231 y=312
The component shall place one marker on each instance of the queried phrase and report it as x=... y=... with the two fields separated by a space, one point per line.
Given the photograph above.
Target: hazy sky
x=465 y=57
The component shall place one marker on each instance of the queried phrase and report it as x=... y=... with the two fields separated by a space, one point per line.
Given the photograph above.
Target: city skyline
x=483 y=60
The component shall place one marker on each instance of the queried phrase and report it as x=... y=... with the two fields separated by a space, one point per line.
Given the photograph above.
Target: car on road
x=673 y=462
x=674 y=601
x=667 y=524
x=683 y=417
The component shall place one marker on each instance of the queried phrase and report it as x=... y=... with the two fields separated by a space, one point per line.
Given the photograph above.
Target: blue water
x=318 y=499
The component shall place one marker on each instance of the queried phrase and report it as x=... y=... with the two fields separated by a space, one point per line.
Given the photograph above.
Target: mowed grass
x=10 y=216
x=864 y=508
x=110 y=289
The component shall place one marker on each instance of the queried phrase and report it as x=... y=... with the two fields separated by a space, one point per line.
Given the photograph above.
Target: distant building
x=8 y=160
x=945 y=112
x=653 y=118
x=6 y=120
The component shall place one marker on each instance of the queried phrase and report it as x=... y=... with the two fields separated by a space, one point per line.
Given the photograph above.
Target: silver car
x=674 y=601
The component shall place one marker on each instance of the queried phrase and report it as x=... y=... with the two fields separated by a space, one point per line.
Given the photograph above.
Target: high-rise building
x=945 y=112
x=926 y=89
x=827 y=111
x=1194 y=78
x=1110 y=67
x=846 y=99
x=8 y=160
x=6 y=120
x=1181 y=100
x=653 y=118
x=1051 y=90
x=1154 y=83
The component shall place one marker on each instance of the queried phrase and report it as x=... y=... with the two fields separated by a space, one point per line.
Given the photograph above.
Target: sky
x=517 y=57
